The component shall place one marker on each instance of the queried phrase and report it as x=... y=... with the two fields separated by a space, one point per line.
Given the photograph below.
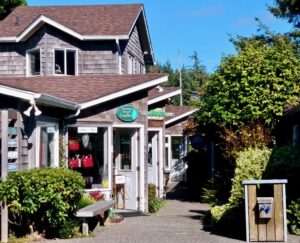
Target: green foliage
x=192 y=78
x=45 y=199
x=253 y=85
x=285 y=164
x=209 y=196
x=293 y=213
x=250 y=165
x=154 y=203
x=69 y=229
x=289 y=9
x=246 y=136
x=85 y=201
x=7 y=6
x=217 y=212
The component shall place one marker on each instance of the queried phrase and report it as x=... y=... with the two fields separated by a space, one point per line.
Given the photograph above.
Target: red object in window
x=74 y=162
x=73 y=145
x=97 y=195
x=87 y=161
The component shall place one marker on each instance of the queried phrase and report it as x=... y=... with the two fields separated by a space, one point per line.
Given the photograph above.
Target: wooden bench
x=100 y=208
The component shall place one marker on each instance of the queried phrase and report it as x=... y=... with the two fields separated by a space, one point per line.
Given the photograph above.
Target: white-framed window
x=167 y=152
x=130 y=64
x=33 y=62
x=47 y=141
x=88 y=153
x=65 y=62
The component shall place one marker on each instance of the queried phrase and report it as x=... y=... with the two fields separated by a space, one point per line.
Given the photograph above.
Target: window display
x=87 y=155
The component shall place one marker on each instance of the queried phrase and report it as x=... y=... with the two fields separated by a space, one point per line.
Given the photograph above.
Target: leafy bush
x=293 y=213
x=250 y=165
x=217 y=212
x=86 y=200
x=154 y=203
x=42 y=199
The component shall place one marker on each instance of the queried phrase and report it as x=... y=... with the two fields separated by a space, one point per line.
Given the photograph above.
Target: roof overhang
x=164 y=97
x=38 y=98
x=41 y=20
x=176 y=118
x=123 y=92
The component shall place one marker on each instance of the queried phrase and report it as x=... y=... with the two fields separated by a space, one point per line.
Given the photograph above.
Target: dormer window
x=34 y=62
x=65 y=62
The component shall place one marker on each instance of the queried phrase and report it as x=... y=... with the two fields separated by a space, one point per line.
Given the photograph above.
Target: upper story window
x=65 y=62
x=34 y=62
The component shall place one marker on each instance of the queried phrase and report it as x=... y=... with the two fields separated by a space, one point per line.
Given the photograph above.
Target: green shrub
x=250 y=165
x=86 y=200
x=209 y=196
x=45 y=199
x=154 y=203
x=217 y=212
x=285 y=164
x=293 y=213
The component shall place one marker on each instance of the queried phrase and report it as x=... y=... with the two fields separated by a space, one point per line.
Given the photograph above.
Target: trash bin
x=265 y=216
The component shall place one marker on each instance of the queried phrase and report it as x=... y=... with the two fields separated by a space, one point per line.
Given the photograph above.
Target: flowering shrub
x=97 y=195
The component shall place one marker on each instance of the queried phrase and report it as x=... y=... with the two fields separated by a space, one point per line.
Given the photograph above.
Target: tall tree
x=7 y=6
x=289 y=9
x=199 y=71
x=253 y=85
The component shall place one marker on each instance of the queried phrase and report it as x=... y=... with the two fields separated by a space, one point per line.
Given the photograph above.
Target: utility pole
x=180 y=78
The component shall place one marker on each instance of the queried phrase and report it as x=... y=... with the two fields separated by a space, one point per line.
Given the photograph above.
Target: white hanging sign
x=87 y=130
x=120 y=179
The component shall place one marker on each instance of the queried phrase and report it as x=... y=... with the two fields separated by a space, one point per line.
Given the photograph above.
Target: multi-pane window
x=34 y=57
x=130 y=64
x=65 y=62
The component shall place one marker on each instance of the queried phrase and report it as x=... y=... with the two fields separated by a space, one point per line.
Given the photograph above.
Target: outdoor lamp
x=37 y=112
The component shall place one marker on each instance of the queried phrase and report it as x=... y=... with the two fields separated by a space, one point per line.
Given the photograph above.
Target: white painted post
x=4 y=169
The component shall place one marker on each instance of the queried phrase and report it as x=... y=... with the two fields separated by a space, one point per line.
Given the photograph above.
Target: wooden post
x=4 y=168
x=278 y=208
x=253 y=230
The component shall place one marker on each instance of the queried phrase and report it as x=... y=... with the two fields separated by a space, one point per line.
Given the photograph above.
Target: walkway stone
x=179 y=221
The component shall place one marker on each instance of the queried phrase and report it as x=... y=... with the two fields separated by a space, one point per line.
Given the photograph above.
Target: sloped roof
x=161 y=93
x=84 y=90
x=104 y=20
x=175 y=113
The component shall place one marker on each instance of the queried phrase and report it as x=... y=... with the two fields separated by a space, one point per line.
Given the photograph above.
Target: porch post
x=4 y=166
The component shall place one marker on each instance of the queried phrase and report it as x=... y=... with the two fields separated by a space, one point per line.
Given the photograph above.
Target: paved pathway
x=180 y=221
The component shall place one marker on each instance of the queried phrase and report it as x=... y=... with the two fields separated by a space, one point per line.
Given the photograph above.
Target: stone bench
x=100 y=208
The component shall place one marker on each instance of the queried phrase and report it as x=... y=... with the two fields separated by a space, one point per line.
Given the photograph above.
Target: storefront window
x=125 y=151
x=88 y=155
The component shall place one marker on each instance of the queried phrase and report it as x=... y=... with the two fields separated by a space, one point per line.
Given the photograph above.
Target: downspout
x=119 y=56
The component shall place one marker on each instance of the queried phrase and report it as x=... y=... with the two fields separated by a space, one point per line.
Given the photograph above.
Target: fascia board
x=17 y=93
x=57 y=102
x=124 y=92
x=180 y=117
x=164 y=97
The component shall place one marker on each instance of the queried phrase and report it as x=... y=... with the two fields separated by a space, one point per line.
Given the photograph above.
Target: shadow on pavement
x=179 y=192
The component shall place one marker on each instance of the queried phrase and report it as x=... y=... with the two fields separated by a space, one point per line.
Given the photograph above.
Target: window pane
x=167 y=157
x=87 y=156
x=70 y=62
x=149 y=151
x=35 y=63
x=47 y=147
x=59 y=57
x=125 y=151
x=175 y=147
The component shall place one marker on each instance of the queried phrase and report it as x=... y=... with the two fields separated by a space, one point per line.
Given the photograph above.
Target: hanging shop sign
x=157 y=114
x=120 y=179
x=127 y=113
x=87 y=130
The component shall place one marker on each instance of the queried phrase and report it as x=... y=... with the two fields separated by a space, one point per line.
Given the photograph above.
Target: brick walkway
x=180 y=221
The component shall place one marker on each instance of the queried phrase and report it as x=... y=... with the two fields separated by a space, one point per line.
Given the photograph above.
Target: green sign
x=158 y=112
x=127 y=113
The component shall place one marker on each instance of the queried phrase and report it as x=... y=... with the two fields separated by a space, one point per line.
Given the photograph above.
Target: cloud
x=207 y=11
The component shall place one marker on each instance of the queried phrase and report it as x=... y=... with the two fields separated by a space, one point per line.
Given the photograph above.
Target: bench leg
x=102 y=217
x=85 y=228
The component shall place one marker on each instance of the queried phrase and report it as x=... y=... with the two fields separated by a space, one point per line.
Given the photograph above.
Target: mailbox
x=265 y=207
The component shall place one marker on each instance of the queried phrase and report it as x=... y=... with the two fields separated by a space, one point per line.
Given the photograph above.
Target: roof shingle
x=100 y=20
x=78 y=89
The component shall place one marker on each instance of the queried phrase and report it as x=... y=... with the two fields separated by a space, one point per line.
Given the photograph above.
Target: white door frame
x=160 y=160
x=140 y=162
x=45 y=123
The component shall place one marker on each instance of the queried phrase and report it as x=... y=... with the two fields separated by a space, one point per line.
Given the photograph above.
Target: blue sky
x=203 y=26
